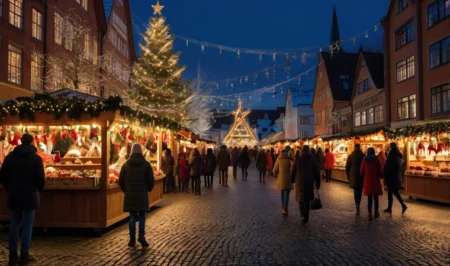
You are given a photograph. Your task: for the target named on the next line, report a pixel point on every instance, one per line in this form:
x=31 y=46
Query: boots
x=404 y=208
x=142 y=240
x=13 y=258
x=357 y=210
x=26 y=258
x=132 y=242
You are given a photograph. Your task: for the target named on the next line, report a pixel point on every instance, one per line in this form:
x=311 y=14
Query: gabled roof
x=335 y=36
x=101 y=20
x=375 y=65
x=299 y=99
x=108 y=4
x=341 y=70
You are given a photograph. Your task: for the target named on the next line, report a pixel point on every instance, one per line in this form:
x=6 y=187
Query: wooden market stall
x=426 y=148
x=82 y=160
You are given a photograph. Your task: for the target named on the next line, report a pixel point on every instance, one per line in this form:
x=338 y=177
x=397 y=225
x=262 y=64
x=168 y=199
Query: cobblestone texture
x=242 y=225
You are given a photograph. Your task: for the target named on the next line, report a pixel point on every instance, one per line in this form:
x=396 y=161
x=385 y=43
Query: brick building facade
x=51 y=45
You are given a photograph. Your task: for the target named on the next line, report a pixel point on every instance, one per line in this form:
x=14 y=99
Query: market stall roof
x=10 y=91
x=70 y=94
x=273 y=138
x=207 y=141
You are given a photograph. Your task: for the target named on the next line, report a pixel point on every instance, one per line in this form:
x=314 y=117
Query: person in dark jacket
x=306 y=175
x=393 y=177
x=244 y=162
x=320 y=158
x=356 y=180
x=168 y=163
x=136 y=180
x=261 y=165
x=210 y=167
x=22 y=175
x=223 y=162
x=235 y=161
x=195 y=166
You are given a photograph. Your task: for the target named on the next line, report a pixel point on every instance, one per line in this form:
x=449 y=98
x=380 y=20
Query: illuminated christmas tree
x=157 y=76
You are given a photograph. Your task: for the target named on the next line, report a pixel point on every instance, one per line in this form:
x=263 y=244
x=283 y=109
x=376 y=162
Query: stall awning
x=273 y=138
x=69 y=94
x=10 y=91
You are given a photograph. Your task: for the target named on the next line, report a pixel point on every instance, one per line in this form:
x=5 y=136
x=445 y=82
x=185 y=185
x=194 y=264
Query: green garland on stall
x=27 y=107
x=417 y=130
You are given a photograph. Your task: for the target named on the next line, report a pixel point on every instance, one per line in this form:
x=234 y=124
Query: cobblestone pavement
x=242 y=225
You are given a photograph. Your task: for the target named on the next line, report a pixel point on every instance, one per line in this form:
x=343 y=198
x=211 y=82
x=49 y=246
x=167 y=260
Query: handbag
x=316 y=203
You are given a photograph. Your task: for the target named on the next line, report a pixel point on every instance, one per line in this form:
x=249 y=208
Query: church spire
x=335 y=36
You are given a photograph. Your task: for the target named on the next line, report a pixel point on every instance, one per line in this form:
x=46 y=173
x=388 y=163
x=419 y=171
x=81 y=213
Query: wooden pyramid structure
x=240 y=133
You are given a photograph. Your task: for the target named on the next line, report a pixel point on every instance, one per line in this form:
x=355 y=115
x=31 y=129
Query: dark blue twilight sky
x=260 y=24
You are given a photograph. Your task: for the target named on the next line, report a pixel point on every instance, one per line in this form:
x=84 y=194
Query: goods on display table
x=427 y=173
x=82 y=162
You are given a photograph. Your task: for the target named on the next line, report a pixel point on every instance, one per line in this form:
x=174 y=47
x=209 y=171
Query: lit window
x=344 y=122
x=440 y=99
x=406 y=107
x=94 y=51
x=36 y=72
x=84 y=4
x=14 y=64
x=36 y=27
x=370 y=116
x=405 y=69
x=440 y=53
x=379 y=115
x=16 y=13
x=68 y=36
x=404 y=35
x=438 y=11
x=87 y=46
x=59 y=25
x=358 y=119
x=363 y=118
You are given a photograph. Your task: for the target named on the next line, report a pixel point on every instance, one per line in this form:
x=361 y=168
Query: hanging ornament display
x=260 y=59
x=232 y=85
x=217 y=86
x=187 y=43
x=274 y=72
x=246 y=79
x=354 y=40
x=203 y=48
x=240 y=81
x=287 y=66
x=274 y=57
x=267 y=73
x=238 y=53
x=366 y=34
x=220 y=51
x=281 y=91
x=303 y=58
x=375 y=28
x=299 y=80
x=294 y=56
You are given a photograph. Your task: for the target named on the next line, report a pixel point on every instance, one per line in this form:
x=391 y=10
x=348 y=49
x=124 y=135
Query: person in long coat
x=306 y=175
x=195 y=166
x=183 y=172
x=244 y=162
x=373 y=173
x=393 y=177
x=329 y=164
x=320 y=158
x=261 y=165
x=356 y=180
x=234 y=161
x=269 y=162
x=136 y=180
x=210 y=167
x=282 y=170
x=223 y=162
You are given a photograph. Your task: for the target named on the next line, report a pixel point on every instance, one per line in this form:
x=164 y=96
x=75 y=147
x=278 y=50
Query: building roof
x=107 y=5
x=299 y=99
x=375 y=65
x=335 y=36
x=341 y=71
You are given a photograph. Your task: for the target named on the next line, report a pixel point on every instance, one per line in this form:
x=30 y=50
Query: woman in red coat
x=329 y=164
x=372 y=171
x=183 y=172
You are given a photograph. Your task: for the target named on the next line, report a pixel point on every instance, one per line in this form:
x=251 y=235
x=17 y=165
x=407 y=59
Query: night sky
x=260 y=24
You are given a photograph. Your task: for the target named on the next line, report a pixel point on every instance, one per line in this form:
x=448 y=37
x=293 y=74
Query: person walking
x=320 y=158
x=393 y=177
x=261 y=165
x=244 y=162
x=282 y=171
x=382 y=158
x=329 y=164
x=235 y=161
x=269 y=162
x=168 y=163
x=223 y=161
x=210 y=167
x=136 y=180
x=356 y=180
x=195 y=166
x=22 y=176
x=183 y=172
x=372 y=171
x=306 y=176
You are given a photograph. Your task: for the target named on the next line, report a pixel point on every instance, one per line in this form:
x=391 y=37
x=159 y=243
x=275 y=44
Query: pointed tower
x=335 y=36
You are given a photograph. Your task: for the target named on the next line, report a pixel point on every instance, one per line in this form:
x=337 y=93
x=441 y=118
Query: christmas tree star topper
x=157 y=8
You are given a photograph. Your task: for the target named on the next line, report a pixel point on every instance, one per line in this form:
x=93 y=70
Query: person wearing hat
x=136 y=180
x=22 y=175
